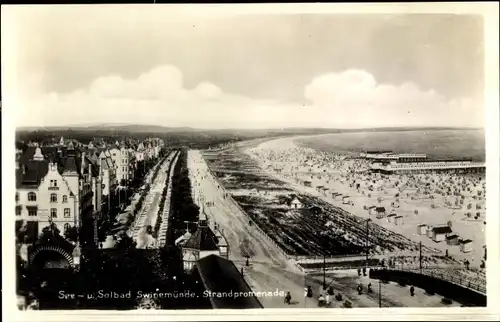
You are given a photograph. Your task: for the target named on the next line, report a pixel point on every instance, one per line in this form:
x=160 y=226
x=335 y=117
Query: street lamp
x=367 y=240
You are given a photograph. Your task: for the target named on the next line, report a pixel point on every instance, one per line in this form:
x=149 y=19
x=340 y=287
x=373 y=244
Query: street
x=149 y=212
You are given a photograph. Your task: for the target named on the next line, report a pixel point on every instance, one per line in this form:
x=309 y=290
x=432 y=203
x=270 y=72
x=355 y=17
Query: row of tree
x=161 y=206
x=182 y=207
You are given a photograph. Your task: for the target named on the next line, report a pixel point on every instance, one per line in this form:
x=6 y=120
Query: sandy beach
x=453 y=200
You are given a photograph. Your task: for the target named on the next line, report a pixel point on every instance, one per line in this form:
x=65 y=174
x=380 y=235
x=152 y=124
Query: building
x=452 y=240
x=108 y=173
x=391 y=217
x=466 y=246
x=346 y=200
x=447 y=166
x=372 y=210
x=45 y=196
x=59 y=186
x=202 y=243
x=421 y=229
x=398 y=220
x=380 y=212
x=121 y=158
x=220 y=276
x=307 y=183
x=439 y=233
x=295 y=203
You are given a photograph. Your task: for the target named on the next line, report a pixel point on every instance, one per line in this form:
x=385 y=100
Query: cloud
x=354 y=98
x=348 y=99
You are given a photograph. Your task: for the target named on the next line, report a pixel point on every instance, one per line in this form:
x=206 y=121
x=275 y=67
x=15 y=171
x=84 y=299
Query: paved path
x=269 y=270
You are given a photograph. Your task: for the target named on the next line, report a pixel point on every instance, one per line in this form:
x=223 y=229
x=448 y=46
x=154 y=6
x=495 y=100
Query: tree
x=125 y=242
x=71 y=234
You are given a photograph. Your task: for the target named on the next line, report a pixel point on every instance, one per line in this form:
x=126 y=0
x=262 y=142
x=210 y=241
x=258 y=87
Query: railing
x=455 y=277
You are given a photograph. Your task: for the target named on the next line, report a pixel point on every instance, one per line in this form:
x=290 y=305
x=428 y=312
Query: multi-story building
x=121 y=158
x=44 y=196
x=57 y=186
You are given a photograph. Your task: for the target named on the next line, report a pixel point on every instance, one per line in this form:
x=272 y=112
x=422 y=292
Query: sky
x=75 y=65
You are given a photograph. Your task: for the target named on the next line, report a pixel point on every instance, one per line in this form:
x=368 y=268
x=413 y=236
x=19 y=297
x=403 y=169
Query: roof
x=203 y=239
x=466 y=241
x=452 y=236
x=380 y=209
x=442 y=230
x=372 y=207
x=34 y=171
x=220 y=276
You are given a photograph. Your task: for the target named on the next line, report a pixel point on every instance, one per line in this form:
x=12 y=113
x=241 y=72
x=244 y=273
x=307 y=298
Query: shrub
x=338 y=297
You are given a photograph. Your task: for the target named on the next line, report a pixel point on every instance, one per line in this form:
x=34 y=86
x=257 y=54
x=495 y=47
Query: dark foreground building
x=224 y=286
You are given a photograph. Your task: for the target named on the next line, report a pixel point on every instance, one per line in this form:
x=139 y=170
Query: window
x=17 y=196
x=65 y=199
x=19 y=209
x=53 y=212
x=66 y=227
x=32 y=211
x=31 y=196
x=67 y=212
x=53 y=183
x=53 y=197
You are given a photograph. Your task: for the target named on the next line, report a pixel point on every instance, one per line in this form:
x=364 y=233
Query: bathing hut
x=429 y=231
x=307 y=183
x=398 y=220
x=319 y=188
x=338 y=196
x=421 y=229
x=372 y=210
x=439 y=233
x=380 y=212
x=452 y=240
x=346 y=200
x=295 y=203
x=466 y=246
x=391 y=218
x=325 y=190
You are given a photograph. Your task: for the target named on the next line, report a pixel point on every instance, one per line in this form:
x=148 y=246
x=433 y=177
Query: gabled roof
x=380 y=209
x=203 y=239
x=220 y=276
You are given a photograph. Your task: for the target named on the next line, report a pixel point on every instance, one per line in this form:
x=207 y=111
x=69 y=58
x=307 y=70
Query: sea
x=437 y=144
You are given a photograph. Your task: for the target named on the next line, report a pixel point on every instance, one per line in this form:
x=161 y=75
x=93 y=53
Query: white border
x=491 y=26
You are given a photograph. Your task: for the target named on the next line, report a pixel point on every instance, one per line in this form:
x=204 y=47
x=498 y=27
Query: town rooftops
x=442 y=230
x=221 y=277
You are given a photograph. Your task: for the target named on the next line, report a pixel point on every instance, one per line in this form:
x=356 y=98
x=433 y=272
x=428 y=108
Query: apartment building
x=56 y=185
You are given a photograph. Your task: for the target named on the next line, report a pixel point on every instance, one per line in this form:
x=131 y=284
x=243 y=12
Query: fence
x=456 y=277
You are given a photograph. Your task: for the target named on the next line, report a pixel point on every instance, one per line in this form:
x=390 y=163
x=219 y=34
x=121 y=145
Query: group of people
x=325 y=294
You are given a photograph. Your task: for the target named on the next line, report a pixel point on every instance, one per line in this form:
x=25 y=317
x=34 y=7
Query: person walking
x=288 y=298
x=412 y=291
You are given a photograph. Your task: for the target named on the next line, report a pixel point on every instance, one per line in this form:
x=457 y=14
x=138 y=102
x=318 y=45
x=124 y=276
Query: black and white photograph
x=175 y=158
